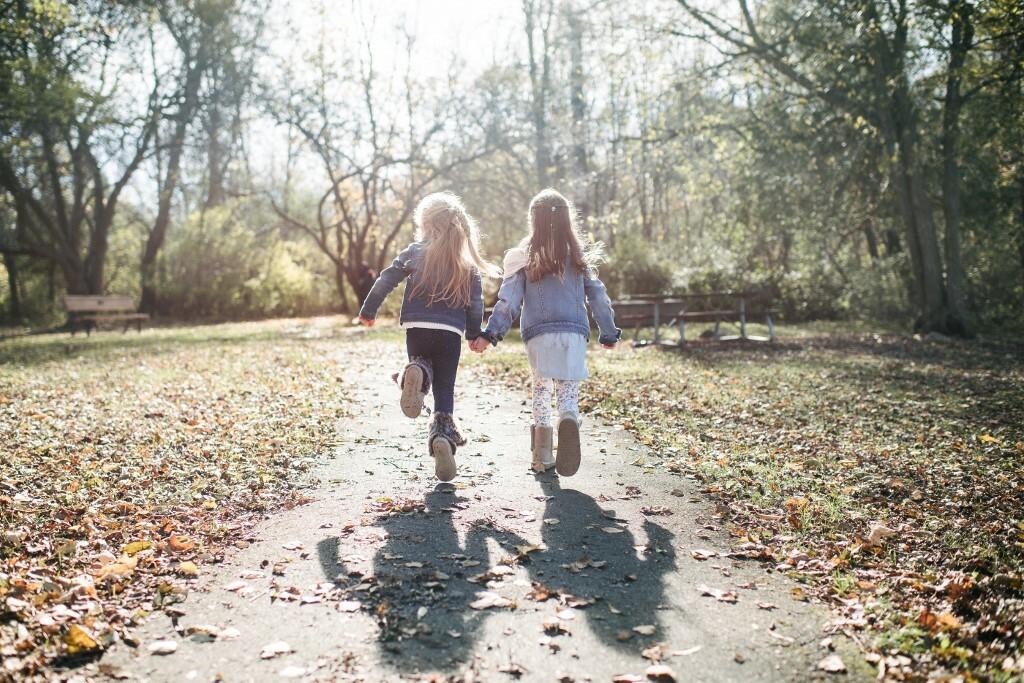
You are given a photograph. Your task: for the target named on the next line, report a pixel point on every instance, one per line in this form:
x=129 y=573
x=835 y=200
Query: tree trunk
x=539 y=82
x=11 y=264
x=961 y=38
x=869 y=236
x=157 y=235
x=578 y=105
x=340 y=277
x=96 y=260
x=215 y=193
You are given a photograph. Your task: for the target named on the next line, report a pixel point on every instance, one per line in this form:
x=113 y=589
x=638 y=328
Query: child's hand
x=366 y=321
x=479 y=345
x=609 y=346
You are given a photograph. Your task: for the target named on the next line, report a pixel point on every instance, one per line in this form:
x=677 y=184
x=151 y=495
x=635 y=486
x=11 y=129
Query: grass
x=127 y=457
x=817 y=440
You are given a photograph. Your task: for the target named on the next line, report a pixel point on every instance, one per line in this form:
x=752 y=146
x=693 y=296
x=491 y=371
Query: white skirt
x=558 y=355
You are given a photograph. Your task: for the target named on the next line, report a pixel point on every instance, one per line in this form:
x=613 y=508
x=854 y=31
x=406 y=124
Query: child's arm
x=601 y=308
x=475 y=309
x=510 y=300
x=386 y=282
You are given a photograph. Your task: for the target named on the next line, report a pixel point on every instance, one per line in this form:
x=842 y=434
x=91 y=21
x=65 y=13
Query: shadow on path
x=629 y=577
x=418 y=590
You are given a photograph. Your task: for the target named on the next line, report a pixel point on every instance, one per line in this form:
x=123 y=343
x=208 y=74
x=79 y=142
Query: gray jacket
x=417 y=309
x=553 y=304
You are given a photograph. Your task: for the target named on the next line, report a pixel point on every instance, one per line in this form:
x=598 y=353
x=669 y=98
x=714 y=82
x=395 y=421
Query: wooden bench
x=87 y=311
x=653 y=310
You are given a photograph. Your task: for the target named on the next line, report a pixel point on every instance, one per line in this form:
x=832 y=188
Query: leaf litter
x=155 y=455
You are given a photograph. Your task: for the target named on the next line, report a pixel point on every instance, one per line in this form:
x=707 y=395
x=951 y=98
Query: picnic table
x=653 y=310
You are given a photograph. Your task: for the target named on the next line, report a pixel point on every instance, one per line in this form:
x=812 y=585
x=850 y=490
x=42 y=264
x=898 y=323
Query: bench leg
x=718 y=334
x=682 y=332
x=743 y=319
x=771 y=328
x=138 y=326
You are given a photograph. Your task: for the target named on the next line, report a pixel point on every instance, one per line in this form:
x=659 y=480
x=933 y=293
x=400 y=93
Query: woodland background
x=220 y=159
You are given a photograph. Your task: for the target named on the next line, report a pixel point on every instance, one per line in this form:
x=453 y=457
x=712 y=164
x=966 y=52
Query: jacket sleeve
x=510 y=301
x=601 y=308
x=388 y=279
x=475 y=309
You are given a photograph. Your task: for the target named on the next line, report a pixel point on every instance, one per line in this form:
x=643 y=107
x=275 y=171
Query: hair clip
x=553 y=208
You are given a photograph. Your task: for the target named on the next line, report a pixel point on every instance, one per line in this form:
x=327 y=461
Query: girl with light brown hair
x=443 y=301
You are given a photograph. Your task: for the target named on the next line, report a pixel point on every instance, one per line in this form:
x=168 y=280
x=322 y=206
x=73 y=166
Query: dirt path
x=386 y=575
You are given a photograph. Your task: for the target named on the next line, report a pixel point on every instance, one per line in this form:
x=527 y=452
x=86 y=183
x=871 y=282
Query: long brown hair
x=554 y=240
x=453 y=251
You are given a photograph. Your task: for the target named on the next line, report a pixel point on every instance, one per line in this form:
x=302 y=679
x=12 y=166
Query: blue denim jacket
x=417 y=309
x=553 y=304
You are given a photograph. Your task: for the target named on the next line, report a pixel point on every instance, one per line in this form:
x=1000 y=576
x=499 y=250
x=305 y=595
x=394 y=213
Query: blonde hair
x=453 y=251
x=554 y=238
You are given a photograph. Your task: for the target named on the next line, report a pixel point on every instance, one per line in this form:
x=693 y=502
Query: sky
x=478 y=31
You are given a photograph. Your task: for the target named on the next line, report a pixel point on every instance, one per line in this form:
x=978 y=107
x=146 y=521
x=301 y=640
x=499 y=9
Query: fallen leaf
x=278 y=647
x=180 y=544
x=486 y=600
x=833 y=664
x=655 y=653
x=235 y=586
x=718 y=594
x=122 y=567
x=611 y=530
x=137 y=547
x=645 y=629
x=660 y=672
x=80 y=640
x=701 y=554
x=878 y=533
x=163 y=647
x=554 y=627
x=188 y=569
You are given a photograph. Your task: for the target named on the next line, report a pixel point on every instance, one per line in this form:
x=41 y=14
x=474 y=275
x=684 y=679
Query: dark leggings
x=442 y=348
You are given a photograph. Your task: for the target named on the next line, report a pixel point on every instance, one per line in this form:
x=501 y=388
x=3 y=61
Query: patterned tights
x=567 y=393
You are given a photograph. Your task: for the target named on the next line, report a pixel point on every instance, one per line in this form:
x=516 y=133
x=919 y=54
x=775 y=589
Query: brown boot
x=415 y=383
x=540 y=445
x=442 y=445
x=567 y=462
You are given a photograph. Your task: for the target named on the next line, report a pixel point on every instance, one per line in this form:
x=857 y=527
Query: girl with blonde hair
x=443 y=301
x=552 y=279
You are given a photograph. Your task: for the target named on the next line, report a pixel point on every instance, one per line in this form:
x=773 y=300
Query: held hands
x=479 y=344
x=366 y=321
x=609 y=346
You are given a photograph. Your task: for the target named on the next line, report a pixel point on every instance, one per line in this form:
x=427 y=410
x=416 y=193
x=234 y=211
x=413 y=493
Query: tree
x=860 y=52
x=206 y=36
x=67 y=150
x=379 y=154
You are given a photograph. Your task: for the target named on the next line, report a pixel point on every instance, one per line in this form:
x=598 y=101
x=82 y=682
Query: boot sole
x=444 y=459
x=412 y=394
x=567 y=459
